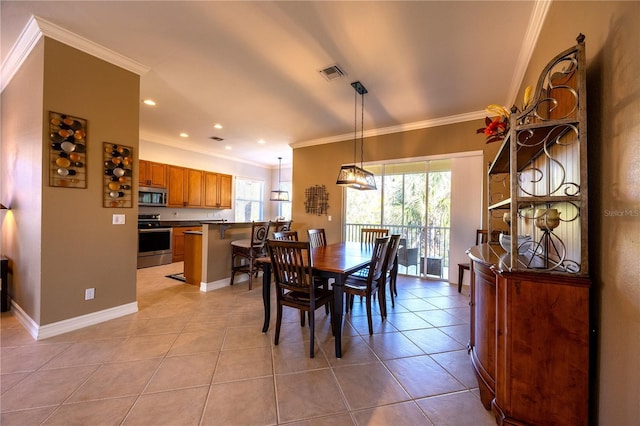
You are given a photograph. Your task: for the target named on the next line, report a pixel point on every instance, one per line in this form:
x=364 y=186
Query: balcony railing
x=425 y=250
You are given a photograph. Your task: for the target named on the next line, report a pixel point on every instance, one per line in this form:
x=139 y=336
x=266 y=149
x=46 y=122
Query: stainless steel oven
x=154 y=241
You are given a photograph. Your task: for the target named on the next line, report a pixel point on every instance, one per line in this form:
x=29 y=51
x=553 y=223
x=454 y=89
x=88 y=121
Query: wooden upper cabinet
x=217 y=190
x=152 y=174
x=185 y=187
x=193 y=186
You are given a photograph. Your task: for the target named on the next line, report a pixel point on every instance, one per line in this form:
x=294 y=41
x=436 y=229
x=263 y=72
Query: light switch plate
x=118 y=219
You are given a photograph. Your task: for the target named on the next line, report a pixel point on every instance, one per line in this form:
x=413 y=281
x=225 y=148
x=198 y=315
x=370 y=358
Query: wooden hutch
x=530 y=294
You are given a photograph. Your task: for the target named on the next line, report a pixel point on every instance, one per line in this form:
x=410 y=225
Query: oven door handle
x=144 y=231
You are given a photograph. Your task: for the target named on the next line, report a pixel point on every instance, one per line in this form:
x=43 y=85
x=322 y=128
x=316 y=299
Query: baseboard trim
x=71 y=324
x=215 y=285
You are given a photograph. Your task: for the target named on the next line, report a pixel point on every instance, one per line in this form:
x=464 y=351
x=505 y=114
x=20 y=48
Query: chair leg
x=369 y=320
x=278 y=324
x=250 y=272
x=302 y=318
x=312 y=325
x=460 y=277
x=382 y=301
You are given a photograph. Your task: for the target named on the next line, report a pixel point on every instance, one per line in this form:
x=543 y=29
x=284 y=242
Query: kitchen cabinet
x=217 y=190
x=185 y=187
x=179 y=243
x=530 y=296
x=152 y=174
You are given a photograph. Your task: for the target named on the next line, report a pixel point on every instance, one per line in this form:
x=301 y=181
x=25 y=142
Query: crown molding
x=37 y=27
x=417 y=125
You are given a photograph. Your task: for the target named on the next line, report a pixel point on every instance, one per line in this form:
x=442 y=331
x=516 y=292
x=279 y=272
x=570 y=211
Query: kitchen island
x=216 y=252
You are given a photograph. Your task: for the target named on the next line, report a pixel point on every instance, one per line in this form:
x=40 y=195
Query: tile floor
x=192 y=358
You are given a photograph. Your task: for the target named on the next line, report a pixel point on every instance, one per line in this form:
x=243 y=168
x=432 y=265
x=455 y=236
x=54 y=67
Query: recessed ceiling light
x=184 y=135
x=218 y=126
x=261 y=142
x=149 y=102
x=228 y=148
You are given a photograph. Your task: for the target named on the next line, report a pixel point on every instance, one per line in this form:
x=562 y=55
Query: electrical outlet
x=118 y=219
x=89 y=293
x=329 y=218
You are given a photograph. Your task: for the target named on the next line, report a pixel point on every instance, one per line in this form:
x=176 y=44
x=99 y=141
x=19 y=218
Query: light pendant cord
x=355 y=126
x=362 y=132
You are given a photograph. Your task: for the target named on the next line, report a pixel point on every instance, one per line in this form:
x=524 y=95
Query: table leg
x=338 y=299
x=266 y=295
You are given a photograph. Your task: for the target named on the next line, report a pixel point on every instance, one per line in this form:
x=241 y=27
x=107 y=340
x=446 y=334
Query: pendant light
x=351 y=175
x=279 y=194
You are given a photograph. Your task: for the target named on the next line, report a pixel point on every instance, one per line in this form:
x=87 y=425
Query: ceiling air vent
x=332 y=72
x=216 y=138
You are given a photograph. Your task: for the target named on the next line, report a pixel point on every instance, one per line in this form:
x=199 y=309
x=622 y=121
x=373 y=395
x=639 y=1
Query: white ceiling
x=253 y=66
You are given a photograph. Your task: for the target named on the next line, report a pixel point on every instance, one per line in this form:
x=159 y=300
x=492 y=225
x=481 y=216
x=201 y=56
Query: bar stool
x=249 y=250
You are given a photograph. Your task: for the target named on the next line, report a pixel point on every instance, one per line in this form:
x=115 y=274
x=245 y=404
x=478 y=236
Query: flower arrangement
x=496 y=129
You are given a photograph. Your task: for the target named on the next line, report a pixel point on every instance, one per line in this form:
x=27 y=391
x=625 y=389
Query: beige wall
x=612 y=47
x=319 y=165
x=21 y=164
x=63 y=240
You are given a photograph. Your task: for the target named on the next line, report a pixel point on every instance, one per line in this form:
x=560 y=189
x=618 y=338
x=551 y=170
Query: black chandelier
x=351 y=175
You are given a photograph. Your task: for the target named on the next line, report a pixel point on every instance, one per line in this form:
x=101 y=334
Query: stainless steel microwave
x=155 y=197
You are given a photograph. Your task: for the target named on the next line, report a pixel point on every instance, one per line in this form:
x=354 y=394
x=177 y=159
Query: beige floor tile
x=361 y=324
x=198 y=341
x=416 y=305
x=439 y=318
x=29 y=358
x=421 y=376
x=172 y=408
x=247 y=402
x=392 y=345
x=458 y=332
x=7 y=381
x=26 y=417
x=402 y=414
x=308 y=394
x=456 y=409
x=106 y=412
x=142 y=347
x=406 y=321
x=354 y=351
x=86 y=353
x=117 y=379
x=243 y=364
x=344 y=419
x=294 y=357
x=47 y=387
x=183 y=371
x=245 y=337
x=432 y=340
x=458 y=364
x=15 y=336
x=368 y=385
x=444 y=302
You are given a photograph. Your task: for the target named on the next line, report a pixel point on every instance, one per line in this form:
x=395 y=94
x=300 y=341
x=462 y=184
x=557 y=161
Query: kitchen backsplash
x=167 y=213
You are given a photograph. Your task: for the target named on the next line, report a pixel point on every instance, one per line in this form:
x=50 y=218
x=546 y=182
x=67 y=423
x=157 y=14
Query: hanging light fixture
x=279 y=194
x=351 y=175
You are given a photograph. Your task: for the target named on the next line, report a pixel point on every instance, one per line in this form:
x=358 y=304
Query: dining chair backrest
x=286 y=235
x=392 y=250
x=369 y=235
x=281 y=226
x=377 y=259
x=317 y=237
x=291 y=263
x=259 y=233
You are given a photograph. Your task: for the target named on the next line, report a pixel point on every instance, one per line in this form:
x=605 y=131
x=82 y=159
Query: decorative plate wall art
x=67 y=151
x=118 y=171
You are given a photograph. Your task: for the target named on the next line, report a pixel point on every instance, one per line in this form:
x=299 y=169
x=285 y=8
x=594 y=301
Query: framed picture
x=118 y=171
x=67 y=151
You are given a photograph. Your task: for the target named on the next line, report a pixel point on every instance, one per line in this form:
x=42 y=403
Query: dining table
x=337 y=261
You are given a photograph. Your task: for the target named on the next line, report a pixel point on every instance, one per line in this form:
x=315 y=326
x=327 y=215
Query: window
x=249 y=199
x=284 y=207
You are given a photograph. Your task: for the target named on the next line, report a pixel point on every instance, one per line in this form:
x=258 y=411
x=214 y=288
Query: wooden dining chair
x=286 y=235
x=245 y=252
x=317 y=237
x=355 y=286
x=390 y=272
x=481 y=238
x=294 y=282
x=369 y=235
x=281 y=226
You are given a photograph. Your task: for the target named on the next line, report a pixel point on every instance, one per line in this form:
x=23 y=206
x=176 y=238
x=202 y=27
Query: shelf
x=530 y=148
x=504 y=204
x=547 y=200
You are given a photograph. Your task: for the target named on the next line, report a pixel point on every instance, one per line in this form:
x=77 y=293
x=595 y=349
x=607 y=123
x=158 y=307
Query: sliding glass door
x=413 y=200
